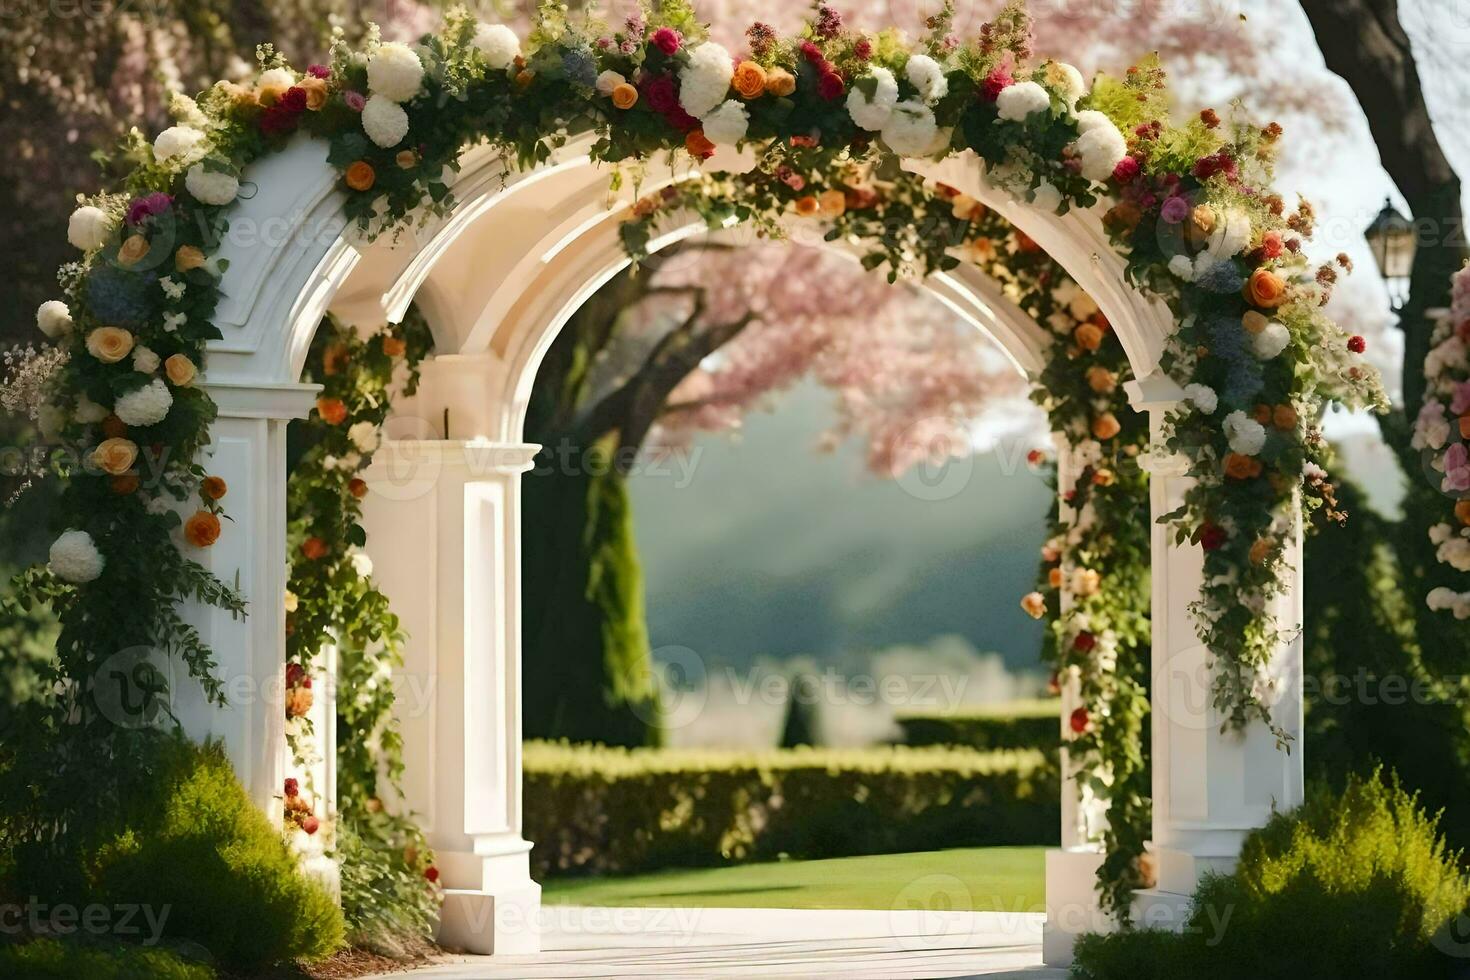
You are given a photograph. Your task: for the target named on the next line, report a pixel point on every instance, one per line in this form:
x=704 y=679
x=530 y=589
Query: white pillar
x=443 y=530
x=248 y=449
x=1210 y=787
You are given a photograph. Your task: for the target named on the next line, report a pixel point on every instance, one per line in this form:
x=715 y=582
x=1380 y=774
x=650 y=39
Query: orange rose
x=1034 y=603
x=314 y=548
x=298 y=701
x=213 y=488
x=125 y=484
x=1089 y=336
x=1101 y=380
x=188 y=257
x=201 y=530
x=1124 y=216
x=1201 y=223
x=1054 y=578
x=624 y=95
x=357 y=487
x=831 y=203
x=132 y=250
x=361 y=176
x=394 y=346
x=115 y=456
x=406 y=159
x=1025 y=243
x=316 y=92
x=1239 y=467
x=1261 y=550
x=699 y=145
x=1262 y=413
x=1462 y=511
x=524 y=78
x=749 y=80
x=780 y=82
x=1254 y=321
x=1284 y=417
x=109 y=344
x=332 y=410
x=1266 y=289
x=806 y=206
x=333 y=358
x=1103 y=478
x=180 y=370
x=1105 y=426
x=1465 y=426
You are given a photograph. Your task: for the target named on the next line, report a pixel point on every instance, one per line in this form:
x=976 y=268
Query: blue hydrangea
x=1221 y=277
x=580 y=66
x=1230 y=343
x=118 y=297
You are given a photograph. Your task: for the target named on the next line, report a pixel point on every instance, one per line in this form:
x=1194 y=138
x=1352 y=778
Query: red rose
x=1078 y=721
x=1272 y=245
x=294 y=674
x=667 y=40
x=314 y=548
x=310 y=824
x=1084 y=642
x=659 y=93
x=1035 y=457
x=831 y=86
x=996 y=82
x=281 y=117
x=357 y=487
x=293 y=788
x=1215 y=163
x=1126 y=170
x=812 y=53
x=1357 y=344
x=431 y=873
x=1212 y=536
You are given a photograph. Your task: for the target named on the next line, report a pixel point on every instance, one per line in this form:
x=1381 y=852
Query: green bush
x=593 y=809
x=188 y=843
x=1020 y=725
x=48 y=959
x=1357 y=885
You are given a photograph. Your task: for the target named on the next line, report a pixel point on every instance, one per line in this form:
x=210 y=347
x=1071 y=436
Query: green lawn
x=1004 y=879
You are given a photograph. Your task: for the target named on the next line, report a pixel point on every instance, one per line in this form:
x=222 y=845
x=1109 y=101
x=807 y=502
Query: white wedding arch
x=496 y=279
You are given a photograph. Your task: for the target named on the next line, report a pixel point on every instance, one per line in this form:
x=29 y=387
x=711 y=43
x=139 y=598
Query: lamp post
x=1391 y=238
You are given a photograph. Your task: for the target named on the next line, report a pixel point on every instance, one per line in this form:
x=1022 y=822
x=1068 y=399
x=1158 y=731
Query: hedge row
x=1021 y=725
x=599 y=810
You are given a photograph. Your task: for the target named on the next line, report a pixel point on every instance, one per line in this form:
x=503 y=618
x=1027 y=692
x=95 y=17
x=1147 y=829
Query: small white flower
x=395 y=72
x=498 y=44
x=384 y=121
x=1231 y=235
x=350 y=462
x=144 y=360
x=89 y=228
x=1442 y=599
x=705 y=80
x=1046 y=196
x=179 y=145
x=364 y=435
x=873 y=114
x=75 y=558
x=1203 y=396
x=1270 y=341
x=292 y=603
x=53 y=318
x=211 y=187
x=608 y=81
x=1313 y=472
x=1183 y=267
x=1020 y=100
x=1246 y=435
x=88 y=411
x=727 y=125
x=145 y=406
x=911 y=129
x=361 y=564
x=276 y=78
x=173 y=321
x=171 y=289
x=927 y=75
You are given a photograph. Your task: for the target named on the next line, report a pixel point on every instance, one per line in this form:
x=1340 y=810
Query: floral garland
x=332 y=600
x=1191 y=212
x=1442 y=432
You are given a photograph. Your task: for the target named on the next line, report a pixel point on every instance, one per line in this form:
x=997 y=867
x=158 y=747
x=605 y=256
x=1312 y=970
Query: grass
x=981 y=879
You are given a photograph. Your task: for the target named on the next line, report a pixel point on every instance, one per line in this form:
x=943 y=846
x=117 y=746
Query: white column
x=1210 y=787
x=248 y=449
x=443 y=530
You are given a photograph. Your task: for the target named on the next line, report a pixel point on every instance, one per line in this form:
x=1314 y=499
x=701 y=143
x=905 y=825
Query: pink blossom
x=1456 y=468
x=353 y=100
x=995 y=83
x=1460 y=402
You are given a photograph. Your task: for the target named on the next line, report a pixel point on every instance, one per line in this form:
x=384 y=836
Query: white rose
x=89 y=228
x=1270 y=341
x=705 y=80
x=872 y=113
x=498 y=44
x=144 y=360
x=927 y=75
x=726 y=126
x=54 y=319
x=384 y=121
x=1203 y=397
x=1020 y=100
x=145 y=406
x=361 y=564
x=911 y=130
x=88 y=411
x=1230 y=236
x=1246 y=435
x=1046 y=196
x=608 y=81
x=395 y=72
x=75 y=558
x=364 y=436
x=179 y=145
x=211 y=186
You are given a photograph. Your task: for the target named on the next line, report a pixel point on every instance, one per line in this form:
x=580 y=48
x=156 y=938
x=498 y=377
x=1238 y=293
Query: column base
x=501 y=922
x=1071 y=903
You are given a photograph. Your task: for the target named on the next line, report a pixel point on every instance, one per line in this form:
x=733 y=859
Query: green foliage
x=596 y=810
x=1021 y=725
x=50 y=959
x=1364 y=874
x=388 y=905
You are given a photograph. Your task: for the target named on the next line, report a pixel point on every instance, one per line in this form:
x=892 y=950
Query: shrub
x=45 y=959
x=1365 y=876
x=600 y=810
x=1021 y=725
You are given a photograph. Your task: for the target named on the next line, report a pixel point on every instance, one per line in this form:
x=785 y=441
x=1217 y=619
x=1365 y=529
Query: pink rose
x=667 y=40
x=1457 y=468
x=1460 y=404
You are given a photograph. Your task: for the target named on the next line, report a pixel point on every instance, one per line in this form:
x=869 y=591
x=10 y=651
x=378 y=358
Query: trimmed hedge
x=1019 y=725
x=598 y=810
x=49 y=959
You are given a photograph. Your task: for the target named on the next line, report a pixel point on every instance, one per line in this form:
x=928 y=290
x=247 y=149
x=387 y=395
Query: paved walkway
x=585 y=943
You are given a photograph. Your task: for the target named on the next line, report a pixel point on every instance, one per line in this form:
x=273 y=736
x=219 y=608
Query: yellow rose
x=1105 y=426
x=188 y=257
x=780 y=82
x=749 y=80
x=115 y=456
x=316 y=92
x=180 y=370
x=831 y=203
x=1089 y=336
x=624 y=96
x=1034 y=603
x=1101 y=380
x=132 y=250
x=109 y=344
x=1254 y=321
x=806 y=206
x=406 y=159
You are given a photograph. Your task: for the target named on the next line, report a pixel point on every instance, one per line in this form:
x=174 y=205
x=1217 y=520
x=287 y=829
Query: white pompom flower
x=911 y=129
x=1203 y=397
x=276 y=78
x=1183 y=267
x=1246 y=435
x=89 y=228
x=1017 y=102
x=498 y=44
x=395 y=72
x=361 y=564
x=211 y=187
x=1101 y=148
x=927 y=75
x=363 y=435
x=1270 y=341
x=727 y=125
x=1067 y=80
x=88 y=411
x=179 y=145
x=53 y=318
x=144 y=406
x=705 y=80
x=872 y=112
x=384 y=121
x=145 y=361
x=75 y=558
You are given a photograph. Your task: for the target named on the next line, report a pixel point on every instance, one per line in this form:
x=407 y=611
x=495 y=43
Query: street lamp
x=1392 y=241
